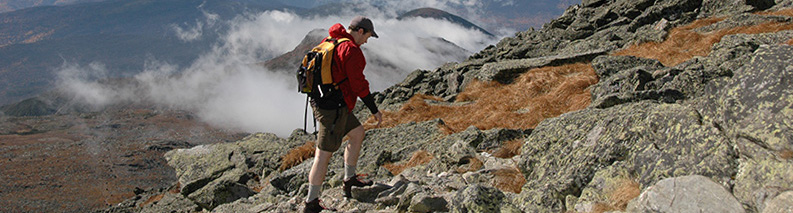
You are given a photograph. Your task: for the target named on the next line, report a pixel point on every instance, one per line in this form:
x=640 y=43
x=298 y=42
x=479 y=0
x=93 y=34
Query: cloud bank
x=226 y=88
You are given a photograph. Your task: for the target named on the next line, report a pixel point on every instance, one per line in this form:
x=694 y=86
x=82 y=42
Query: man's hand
x=379 y=117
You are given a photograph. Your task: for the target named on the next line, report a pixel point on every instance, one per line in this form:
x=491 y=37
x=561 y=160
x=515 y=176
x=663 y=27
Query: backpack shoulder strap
x=336 y=43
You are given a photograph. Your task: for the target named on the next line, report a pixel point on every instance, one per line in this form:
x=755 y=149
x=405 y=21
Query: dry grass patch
x=508 y=149
x=680 y=45
x=152 y=199
x=534 y=96
x=623 y=192
x=297 y=155
x=785 y=154
x=627 y=189
x=683 y=43
x=509 y=180
x=419 y=157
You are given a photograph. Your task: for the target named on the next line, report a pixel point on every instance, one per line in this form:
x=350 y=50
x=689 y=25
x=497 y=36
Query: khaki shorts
x=330 y=135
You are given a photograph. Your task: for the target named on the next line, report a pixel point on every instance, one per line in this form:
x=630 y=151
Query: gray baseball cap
x=364 y=23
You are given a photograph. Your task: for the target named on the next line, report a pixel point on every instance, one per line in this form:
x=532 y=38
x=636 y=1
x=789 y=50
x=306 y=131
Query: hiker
x=348 y=65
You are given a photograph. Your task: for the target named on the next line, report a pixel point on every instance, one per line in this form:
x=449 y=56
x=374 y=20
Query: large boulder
x=655 y=141
x=200 y=165
x=290 y=180
x=781 y=203
x=390 y=145
x=755 y=110
x=686 y=194
x=212 y=175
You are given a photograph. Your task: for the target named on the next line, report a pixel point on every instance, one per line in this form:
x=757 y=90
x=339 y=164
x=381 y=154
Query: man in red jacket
x=336 y=119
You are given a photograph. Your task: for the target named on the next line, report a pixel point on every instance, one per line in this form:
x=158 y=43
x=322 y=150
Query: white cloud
x=226 y=88
x=195 y=32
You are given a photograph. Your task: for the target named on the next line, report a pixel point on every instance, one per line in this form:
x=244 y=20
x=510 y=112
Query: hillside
x=617 y=105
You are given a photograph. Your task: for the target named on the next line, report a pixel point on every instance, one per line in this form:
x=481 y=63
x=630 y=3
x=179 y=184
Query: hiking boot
x=354 y=181
x=314 y=207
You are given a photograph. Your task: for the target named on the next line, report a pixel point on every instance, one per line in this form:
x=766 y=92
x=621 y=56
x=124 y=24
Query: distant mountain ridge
x=440 y=14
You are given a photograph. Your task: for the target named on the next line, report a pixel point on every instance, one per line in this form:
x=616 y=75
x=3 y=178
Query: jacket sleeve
x=354 y=63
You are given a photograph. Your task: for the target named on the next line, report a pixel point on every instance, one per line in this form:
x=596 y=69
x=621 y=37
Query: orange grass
x=176 y=189
x=618 y=197
x=152 y=199
x=297 y=155
x=534 y=96
x=683 y=44
x=786 y=154
x=627 y=189
x=419 y=157
x=509 y=180
x=680 y=45
x=508 y=149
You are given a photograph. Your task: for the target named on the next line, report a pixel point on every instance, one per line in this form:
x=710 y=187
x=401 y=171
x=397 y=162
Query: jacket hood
x=338 y=31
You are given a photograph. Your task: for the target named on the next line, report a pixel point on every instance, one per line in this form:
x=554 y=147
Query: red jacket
x=349 y=63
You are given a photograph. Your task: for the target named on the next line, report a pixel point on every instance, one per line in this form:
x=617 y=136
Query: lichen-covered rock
x=781 y=203
x=717 y=8
x=727 y=56
x=454 y=148
x=505 y=71
x=200 y=165
x=625 y=81
x=756 y=107
x=427 y=203
x=399 y=143
x=601 y=187
x=290 y=180
x=608 y=65
x=224 y=190
x=477 y=198
x=686 y=194
x=211 y=175
x=171 y=202
x=782 y=4
x=675 y=11
x=655 y=141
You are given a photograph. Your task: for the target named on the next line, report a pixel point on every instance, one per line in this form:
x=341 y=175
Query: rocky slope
x=709 y=134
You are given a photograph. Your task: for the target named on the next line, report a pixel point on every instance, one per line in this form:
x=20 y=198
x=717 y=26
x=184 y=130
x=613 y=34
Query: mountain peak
x=428 y=12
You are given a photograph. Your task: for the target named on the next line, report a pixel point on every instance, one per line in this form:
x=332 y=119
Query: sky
x=226 y=88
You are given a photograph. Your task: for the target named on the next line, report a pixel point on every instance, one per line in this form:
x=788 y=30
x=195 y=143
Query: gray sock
x=349 y=171
x=313 y=192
